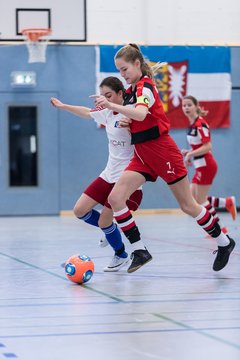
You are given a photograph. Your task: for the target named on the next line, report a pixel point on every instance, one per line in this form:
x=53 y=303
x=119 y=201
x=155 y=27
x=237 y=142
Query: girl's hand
x=101 y=101
x=184 y=152
x=124 y=123
x=188 y=159
x=57 y=103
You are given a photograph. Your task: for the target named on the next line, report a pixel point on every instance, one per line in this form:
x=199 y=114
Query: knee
x=114 y=199
x=79 y=211
x=185 y=209
x=188 y=208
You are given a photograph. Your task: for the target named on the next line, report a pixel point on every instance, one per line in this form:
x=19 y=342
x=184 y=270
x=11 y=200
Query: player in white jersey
x=120 y=154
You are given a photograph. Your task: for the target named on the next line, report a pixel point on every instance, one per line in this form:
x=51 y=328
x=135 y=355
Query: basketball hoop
x=36 y=41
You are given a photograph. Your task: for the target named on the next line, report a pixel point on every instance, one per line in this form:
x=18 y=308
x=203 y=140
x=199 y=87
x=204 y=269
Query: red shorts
x=159 y=157
x=205 y=175
x=100 y=189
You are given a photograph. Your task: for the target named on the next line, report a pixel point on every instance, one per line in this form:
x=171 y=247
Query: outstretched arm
x=81 y=111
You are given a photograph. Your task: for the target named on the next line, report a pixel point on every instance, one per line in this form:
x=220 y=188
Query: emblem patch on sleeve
x=143 y=99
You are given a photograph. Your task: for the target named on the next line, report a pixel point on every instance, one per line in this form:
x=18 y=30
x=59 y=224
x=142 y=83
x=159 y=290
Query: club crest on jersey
x=116 y=124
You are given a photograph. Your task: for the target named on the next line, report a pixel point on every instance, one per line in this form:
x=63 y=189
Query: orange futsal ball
x=79 y=268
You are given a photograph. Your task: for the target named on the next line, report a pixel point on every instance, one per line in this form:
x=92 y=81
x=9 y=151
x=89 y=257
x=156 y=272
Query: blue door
x=29 y=156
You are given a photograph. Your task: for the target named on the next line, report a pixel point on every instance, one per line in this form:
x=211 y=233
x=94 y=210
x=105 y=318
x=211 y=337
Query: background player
x=200 y=155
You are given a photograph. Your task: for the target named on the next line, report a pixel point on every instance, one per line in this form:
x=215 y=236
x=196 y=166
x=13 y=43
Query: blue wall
x=70 y=73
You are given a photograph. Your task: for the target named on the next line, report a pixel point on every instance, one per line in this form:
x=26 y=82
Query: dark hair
x=131 y=53
x=200 y=110
x=113 y=83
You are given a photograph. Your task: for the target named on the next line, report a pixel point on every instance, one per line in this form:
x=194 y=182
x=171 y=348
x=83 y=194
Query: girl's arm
x=81 y=111
x=202 y=150
x=135 y=113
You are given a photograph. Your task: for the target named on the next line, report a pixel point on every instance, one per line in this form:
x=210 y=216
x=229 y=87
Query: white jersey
x=119 y=144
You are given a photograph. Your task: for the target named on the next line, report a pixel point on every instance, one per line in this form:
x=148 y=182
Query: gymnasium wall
x=160 y=22
x=152 y=22
x=70 y=73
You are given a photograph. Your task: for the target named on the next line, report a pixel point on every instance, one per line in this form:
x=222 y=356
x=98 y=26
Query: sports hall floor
x=174 y=308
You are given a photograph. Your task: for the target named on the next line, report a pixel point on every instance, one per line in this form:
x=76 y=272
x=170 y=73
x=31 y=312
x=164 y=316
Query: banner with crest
x=200 y=71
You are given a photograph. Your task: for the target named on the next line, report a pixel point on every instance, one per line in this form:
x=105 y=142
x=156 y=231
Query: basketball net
x=36 y=41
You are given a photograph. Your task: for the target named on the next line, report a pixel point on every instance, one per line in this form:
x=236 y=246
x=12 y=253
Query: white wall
x=164 y=22
x=153 y=22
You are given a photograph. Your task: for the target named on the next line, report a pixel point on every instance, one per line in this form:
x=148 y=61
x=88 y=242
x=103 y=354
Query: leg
x=129 y=182
x=200 y=193
x=182 y=193
x=83 y=205
x=114 y=238
x=201 y=183
x=229 y=203
x=112 y=232
x=96 y=193
x=106 y=217
x=84 y=210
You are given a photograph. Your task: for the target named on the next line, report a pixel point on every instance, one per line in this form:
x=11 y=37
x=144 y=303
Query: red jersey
x=199 y=134
x=156 y=122
x=156 y=154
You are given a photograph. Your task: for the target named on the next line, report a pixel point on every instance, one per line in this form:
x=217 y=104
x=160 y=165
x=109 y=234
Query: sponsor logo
x=117 y=143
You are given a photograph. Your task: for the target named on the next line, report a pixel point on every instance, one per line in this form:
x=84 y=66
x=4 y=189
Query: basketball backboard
x=67 y=19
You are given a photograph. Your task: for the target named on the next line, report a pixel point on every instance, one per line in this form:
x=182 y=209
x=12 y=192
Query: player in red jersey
x=156 y=154
x=200 y=155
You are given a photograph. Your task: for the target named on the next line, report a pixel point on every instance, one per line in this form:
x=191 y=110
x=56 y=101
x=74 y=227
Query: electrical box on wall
x=23 y=79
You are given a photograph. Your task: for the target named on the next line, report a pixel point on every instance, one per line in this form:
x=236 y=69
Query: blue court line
x=82 y=316
x=142 y=322
x=201 y=331
x=187 y=277
x=114 y=303
x=123 y=295
x=120 y=314
x=81 y=324
x=184 y=328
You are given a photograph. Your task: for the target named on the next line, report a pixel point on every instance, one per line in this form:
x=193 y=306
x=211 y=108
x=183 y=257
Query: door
x=29 y=156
